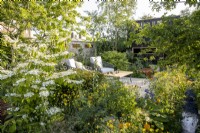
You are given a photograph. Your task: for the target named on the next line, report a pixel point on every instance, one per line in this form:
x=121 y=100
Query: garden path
x=142 y=84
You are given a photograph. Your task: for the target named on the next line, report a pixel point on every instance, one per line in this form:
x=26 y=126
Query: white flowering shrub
x=31 y=84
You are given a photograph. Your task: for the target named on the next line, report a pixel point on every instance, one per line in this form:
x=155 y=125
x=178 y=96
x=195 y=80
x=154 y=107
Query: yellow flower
x=143 y=130
x=65 y=101
x=158 y=100
x=151 y=130
x=147 y=126
x=128 y=124
x=121 y=125
x=110 y=125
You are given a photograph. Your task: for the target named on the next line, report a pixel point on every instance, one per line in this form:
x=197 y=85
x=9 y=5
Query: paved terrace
x=142 y=83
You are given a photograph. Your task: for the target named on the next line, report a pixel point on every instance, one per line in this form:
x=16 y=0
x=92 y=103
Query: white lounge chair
x=72 y=64
x=100 y=65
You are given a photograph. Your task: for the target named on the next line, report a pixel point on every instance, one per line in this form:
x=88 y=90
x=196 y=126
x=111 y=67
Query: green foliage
x=50 y=21
x=106 y=107
x=171 y=4
x=196 y=85
x=29 y=86
x=118 y=59
x=5 y=53
x=28 y=89
x=103 y=45
x=112 y=24
x=166 y=99
x=136 y=67
x=176 y=38
x=66 y=93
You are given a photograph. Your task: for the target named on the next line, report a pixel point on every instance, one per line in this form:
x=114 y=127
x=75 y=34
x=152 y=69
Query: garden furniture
x=72 y=64
x=119 y=74
x=102 y=66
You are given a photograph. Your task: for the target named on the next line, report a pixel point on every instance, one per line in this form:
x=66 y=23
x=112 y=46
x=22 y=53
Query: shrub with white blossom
x=29 y=86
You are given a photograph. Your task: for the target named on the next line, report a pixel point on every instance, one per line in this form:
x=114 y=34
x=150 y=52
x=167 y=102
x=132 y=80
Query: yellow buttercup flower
x=158 y=100
x=121 y=125
x=147 y=126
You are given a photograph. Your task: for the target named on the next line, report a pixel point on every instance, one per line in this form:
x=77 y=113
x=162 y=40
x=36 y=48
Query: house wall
x=80 y=47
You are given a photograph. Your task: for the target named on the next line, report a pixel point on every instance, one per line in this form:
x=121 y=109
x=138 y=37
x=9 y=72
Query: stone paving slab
x=142 y=84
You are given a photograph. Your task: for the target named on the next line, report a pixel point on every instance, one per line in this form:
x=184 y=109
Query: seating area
x=104 y=67
x=72 y=64
x=96 y=64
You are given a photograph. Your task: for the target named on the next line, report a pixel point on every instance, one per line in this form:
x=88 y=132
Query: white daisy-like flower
x=75 y=81
x=6 y=71
x=16 y=109
x=20 y=65
x=6 y=74
x=50 y=82
x=44 y=93
x=64 y=53
x=33 y=72
x=29 y=94
x=37 y=107
x=36 y=61
x=9 y=109
x=43 y=88
x=37 y=81
x=20 y=45
x=56 y=55
x=46 y=103
x=42 y=45
x=3 y=76
x=23 y=71
x=53 y=110
x=49 y=64
x=42 y=123
x=20 y=80
x=61 y=74
x=24 y=116
x=34 y=86
x=12 y=94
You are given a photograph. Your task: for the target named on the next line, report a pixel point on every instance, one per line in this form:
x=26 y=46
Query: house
x=79 y=45
x=136 y=49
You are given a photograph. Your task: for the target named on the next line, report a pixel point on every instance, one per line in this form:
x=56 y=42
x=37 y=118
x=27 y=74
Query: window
x=76 y=46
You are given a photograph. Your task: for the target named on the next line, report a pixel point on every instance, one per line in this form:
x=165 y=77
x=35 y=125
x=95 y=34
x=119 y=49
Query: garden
x=39 y=94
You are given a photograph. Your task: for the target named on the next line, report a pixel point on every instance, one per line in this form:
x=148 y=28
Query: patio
x=142 y=84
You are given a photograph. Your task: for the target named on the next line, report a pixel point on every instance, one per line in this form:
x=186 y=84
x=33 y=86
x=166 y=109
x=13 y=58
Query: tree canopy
x=176 y=38
x=171 y=4
x=112 y=22
x=49 y=21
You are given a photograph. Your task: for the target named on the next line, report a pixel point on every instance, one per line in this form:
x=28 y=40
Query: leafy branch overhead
x=171 y=4
x=176 y=38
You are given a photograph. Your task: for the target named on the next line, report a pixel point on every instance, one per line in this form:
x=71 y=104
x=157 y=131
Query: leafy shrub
x=66 y=93
x=196 y=84
x=29 y=87
x=100 y=105
x=118 y=59
x=5 y=53
x=136 y=67
x=165 y=100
